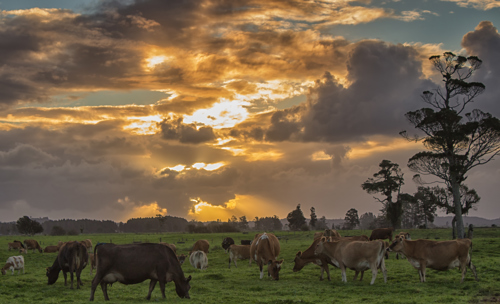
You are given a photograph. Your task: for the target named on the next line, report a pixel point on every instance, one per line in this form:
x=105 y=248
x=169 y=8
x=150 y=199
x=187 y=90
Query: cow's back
x=265 y=244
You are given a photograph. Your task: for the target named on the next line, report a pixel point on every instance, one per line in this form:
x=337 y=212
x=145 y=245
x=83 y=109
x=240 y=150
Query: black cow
x=135 y=263
x=226 y=242
x=246 y=242
x=72 y=257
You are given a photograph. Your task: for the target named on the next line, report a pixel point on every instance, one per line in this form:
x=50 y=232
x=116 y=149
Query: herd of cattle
x=135 y=263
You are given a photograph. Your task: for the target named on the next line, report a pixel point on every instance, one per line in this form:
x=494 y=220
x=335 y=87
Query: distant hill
x=445 y=221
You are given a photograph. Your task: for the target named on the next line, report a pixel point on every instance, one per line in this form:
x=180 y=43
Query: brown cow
x=51 y=249
x=406 y=236
x=135 y=263
x=308 y=256
x=32 y=244
x=355 y=255
x=241 y=252
x=265 y=248
x=202 y=245
x=72 y=257
x=87 y=243
x=438 y=255
x=181 y=258
x=382 y=234
x=17 y=245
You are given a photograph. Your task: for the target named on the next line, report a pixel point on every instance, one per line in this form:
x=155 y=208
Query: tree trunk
x=455 y=186
x=454 y=228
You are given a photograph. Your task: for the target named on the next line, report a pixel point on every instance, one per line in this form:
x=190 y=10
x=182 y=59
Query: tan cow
x=32 y=244
x=172 y=246
x=308 y=256
x=14 y=263
x=198 y=259
x=92 y=260
x=17 y=245
x=51 y=249
x=265 y=249
x=381 y=234
x=438 y=255
x=406 y=236
x=239 y=252
x=202 y=245
x=355 y=255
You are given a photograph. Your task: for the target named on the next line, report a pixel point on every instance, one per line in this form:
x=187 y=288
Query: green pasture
x=219 y=284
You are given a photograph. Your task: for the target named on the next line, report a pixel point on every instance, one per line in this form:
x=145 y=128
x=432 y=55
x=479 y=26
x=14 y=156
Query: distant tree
x=296 y=219
x=268 y=223
x=456 y=141
x=351 y=219
x=321 y=224
x=57 y=231
x=367 y=221
x=387 y=181
x=243 y=224
x=314 y=218
x=25 y=225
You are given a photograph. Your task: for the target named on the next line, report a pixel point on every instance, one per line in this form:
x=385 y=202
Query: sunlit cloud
x=144 y=125
x=224 y=114
x=320 y=155
x=379 y=145
x=141 y=210
x=477 y=4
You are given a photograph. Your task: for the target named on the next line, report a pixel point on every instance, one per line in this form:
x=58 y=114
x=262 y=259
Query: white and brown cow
x=198 y=259
x=438 y=255
x=239 y=252
x=355 y=255
x=14 y=263
x=265 y=249
x=32 y=245
x=17 y=245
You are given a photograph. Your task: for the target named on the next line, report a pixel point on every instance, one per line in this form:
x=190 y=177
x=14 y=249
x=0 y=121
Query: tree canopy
x=296 y=219
x=25 y=225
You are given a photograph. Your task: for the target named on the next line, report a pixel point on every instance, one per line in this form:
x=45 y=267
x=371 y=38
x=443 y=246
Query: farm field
x=219 y=284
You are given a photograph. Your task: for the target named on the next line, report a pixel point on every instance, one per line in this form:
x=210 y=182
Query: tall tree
x=419 y=209
x=296 y=219
x=367 y=220
x=387 y=182
x=351 y=219
x=25 y=225
x=456 y=141
x=314 y=218
x=444 y=200
x=243 y=224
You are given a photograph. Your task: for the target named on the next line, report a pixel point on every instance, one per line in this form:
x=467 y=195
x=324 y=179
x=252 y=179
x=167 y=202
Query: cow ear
x=299 y=254
x=281 y=262
x=323 y=239
x=188 y=279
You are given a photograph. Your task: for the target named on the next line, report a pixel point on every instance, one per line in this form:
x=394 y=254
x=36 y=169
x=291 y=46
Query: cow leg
x=104 y=287
x=473 y=269
x=342 y=269
x=152 y=285
x=384 y=270
x=78 y=279
x=65 y=278
x=235 y=263
x=261 y=269
x=71 y=276
x=229 y=262
x=374 y=269
x=162 y=286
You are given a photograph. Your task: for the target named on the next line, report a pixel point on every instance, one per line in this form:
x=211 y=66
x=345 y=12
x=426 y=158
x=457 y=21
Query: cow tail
x=381 y=253
x=95 y=247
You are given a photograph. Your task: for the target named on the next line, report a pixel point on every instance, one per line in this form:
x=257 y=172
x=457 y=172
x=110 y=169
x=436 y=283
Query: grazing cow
x=246 y=242
x=17 y=245
x=51 y=249
x=328 y=233
x=382 y=234
x=198 y=259
x=438 y=255
x=241 y=252
x=226 y=242
x=88 y=244
x=135 y=263
x=202 y=245
x=265 y=249
x=32 y=244
x=308 y=256
x=172 y=246
x=181 y=258
x=72 y=257
x=14 y=263
x=355 y=255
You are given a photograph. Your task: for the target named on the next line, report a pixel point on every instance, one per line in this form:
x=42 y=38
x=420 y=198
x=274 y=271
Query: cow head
x=320 y=246
x=227 y=242
x=397 y=244
x=22 y=250
x=181 y=258
x=52 y=274
x=182 y=287
x=273 y=268
x=298 y=263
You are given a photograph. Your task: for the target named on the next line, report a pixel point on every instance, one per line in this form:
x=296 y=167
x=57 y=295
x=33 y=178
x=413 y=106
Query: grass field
x=219 y=284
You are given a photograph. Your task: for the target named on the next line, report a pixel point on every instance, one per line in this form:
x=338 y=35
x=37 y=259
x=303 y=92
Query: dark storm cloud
x=385 y=84
x=186 y=133
x=484 y=42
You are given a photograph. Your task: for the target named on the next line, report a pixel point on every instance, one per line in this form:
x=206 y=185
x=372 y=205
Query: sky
x=205 y=109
